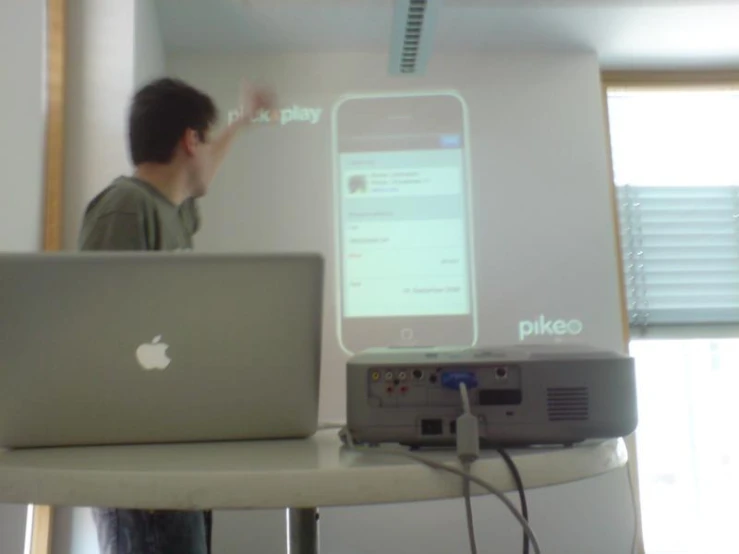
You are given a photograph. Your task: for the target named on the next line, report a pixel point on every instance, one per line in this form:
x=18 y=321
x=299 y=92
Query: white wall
x=149 y=60
x=21 y=124
x=21 y=155
x=113 y=47
x=74 y=532
x=12 y=528
x=100 y=81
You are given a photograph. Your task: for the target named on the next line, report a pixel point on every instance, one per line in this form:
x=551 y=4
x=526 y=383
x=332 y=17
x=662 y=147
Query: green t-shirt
x=131 y=214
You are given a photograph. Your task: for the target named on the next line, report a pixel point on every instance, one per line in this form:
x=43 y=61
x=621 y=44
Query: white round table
x=300 y=475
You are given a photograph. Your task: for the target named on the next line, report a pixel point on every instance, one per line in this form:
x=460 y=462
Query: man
x=176 y=158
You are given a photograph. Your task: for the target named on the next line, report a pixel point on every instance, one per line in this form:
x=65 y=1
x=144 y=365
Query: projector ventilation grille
x=568 y=404
x=412 y=35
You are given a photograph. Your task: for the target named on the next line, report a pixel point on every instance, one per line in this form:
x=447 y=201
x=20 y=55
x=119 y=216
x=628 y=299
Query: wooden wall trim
x=42 y=523
x=42 y=517
x=632 y=464
x=706 y=79
x=54 y=142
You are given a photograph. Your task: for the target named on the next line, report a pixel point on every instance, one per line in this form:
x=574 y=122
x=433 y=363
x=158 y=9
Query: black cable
x=521 y=492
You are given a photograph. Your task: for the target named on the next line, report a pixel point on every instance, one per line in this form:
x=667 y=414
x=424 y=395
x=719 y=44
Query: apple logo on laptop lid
x=153 y=355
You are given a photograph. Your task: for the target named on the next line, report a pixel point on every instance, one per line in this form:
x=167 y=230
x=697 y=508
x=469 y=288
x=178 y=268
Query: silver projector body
x=524 y=395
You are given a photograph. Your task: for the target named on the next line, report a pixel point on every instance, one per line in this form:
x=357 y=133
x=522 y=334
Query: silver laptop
x=158 y=347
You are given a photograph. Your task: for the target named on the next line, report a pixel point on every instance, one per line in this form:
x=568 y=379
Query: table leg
x=302 y=531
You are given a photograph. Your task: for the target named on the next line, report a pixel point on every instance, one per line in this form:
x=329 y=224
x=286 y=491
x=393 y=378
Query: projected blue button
x=450 y=141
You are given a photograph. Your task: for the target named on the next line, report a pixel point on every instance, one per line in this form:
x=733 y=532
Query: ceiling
x=626 y=34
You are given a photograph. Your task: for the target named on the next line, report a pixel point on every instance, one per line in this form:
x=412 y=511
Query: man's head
x=169 y=124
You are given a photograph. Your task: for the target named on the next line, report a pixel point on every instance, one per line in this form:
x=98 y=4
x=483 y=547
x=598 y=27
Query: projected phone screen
x=404 y=244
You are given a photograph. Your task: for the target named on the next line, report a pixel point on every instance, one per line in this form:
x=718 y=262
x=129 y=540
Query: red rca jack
x=389 y=390
x=403 y=390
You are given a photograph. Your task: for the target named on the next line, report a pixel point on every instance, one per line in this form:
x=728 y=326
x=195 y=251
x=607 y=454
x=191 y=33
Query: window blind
x=681 y=254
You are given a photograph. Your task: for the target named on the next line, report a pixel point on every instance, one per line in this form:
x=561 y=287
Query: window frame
x=694 y=80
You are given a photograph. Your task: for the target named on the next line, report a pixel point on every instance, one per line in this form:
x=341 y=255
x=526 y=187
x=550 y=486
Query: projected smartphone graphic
x=402 y=199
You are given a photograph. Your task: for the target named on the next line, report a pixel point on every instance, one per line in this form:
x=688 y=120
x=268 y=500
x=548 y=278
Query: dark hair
x=160 y=114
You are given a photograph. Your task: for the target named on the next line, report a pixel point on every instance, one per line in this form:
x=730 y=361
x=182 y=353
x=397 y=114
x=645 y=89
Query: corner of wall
x=149 y=60
x=100 y=81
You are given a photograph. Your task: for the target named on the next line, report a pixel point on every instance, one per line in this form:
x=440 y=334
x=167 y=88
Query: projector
x=523 y=395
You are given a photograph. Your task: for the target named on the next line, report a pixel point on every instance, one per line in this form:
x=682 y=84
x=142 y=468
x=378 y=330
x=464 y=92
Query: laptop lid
x=114 y=348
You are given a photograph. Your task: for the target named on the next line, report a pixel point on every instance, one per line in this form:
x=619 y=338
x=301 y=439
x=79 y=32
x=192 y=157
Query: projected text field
x=426 y=262
x=412 y=181
x=402 y=296
x=404 y=234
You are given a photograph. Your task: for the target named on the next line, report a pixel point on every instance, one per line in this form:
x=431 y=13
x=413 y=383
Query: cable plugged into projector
x=453 y=379
x=468 y=439
x=467 y=430
x=468 y=433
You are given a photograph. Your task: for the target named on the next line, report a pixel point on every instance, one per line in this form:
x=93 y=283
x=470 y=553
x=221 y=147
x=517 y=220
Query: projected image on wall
x=402 y=189
x=449 y=208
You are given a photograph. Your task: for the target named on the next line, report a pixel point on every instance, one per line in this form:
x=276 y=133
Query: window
x=676 y=168
x=688 y=456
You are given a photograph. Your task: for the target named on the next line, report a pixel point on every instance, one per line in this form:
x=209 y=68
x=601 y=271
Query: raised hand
x=254 y=100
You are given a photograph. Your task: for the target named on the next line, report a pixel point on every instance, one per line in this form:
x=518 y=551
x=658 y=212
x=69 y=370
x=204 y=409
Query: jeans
x=152 y=532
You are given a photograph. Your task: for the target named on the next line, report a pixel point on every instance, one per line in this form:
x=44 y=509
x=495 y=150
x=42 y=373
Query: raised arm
x=251 y=101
